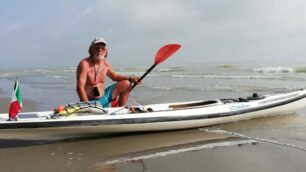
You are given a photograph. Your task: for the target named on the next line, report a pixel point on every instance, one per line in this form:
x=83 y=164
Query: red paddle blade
x=165 y=52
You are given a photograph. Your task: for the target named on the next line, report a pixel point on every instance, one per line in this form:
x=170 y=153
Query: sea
x=57 y=85
x=276 y=143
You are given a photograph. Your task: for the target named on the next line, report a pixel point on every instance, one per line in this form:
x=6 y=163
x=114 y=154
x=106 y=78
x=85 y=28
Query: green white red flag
x=16 y=101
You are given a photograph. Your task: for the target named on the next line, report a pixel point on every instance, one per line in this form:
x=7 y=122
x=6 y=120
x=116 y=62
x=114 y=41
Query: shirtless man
x=91 y=76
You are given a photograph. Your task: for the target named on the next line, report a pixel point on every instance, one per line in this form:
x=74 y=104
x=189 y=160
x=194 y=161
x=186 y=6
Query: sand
x=165 y=151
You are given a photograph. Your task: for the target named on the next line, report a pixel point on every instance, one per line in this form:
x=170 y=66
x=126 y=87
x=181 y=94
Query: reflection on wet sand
x=84 y=155
x=140 y=156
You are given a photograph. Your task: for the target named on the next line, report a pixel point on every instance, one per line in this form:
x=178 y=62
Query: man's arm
x=115 y=76
x=81 y=80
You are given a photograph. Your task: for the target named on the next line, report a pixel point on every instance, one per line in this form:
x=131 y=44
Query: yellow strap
x=69 y=110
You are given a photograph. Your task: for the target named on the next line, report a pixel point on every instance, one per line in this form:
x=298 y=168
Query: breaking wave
x=224 y=76
x=280 y=70
x=55 y=72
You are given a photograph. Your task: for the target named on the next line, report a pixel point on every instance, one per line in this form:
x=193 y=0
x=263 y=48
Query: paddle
x=162 y=54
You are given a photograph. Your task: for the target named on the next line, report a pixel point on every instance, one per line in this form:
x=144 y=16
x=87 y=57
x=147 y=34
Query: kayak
x=83 y=119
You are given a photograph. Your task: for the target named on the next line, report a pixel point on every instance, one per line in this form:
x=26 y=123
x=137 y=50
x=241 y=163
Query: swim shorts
x=107 y=98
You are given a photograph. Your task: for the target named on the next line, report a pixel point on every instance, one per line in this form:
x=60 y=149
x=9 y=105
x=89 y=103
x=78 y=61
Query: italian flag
x=16 y=102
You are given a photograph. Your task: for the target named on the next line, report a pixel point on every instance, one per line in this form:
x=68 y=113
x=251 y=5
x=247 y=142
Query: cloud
x=159 y=13
x=147 y=14
x=207 y=29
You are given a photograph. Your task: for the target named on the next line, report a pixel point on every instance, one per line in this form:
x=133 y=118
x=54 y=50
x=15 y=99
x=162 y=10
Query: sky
x=37 y=33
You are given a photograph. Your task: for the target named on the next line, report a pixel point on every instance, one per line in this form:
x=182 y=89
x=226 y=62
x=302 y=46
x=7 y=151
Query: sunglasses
x=97 y=48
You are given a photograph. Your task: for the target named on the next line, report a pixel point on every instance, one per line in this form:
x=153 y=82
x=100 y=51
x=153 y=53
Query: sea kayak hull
x=170 y=116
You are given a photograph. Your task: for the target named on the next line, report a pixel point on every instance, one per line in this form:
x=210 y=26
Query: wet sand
x=187 y=150
x=251 y=158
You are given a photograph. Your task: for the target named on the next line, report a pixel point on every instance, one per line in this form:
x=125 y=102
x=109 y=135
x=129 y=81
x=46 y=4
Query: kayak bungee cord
x=77 y=107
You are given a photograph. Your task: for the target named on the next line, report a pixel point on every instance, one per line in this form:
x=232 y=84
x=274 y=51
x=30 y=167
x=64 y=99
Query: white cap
x=98 y=40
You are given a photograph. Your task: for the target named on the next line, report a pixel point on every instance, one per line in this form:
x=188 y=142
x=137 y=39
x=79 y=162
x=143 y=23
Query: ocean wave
x=38 y=72
x=274 y=70
x=157 y=72
x=134 y=73
x=280 y=70
x=228 y=76
x=171 y=69
x=191 y=88
x=129 y=69
x=222 y=87
x=301 y=70
x=54 y=71
x=226 y=66
x=9 y=74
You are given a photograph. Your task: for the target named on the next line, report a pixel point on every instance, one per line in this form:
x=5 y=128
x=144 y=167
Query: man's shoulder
x=106 y=63
x=84 y=63
x=85 y=60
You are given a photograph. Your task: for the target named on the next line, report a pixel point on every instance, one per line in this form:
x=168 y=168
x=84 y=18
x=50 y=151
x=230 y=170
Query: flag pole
x=16 y=101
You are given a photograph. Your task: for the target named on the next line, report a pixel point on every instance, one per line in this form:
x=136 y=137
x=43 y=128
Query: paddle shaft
x=145 y=74
x=162 y=54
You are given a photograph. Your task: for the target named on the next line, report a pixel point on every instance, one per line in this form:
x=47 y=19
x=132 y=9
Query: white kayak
x=87 y=119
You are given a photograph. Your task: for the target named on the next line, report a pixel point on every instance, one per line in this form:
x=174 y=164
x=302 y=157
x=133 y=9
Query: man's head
x=97 y=48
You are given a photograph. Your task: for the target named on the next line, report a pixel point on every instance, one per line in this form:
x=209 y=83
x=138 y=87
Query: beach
x=274 y=143
x=223 y=86
x=187 y=150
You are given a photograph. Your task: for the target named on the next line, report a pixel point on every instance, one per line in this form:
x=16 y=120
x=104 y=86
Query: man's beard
x=100 y=57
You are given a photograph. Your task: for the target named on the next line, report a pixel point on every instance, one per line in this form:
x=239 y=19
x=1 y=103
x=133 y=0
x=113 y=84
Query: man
x=91 y=76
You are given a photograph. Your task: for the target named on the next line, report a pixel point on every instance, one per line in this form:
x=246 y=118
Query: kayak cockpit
x=195 y=104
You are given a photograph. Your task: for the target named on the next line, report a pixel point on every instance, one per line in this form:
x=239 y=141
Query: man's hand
x=135 y=80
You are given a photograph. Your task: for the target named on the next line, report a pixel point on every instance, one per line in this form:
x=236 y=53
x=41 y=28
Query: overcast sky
x=36 y=33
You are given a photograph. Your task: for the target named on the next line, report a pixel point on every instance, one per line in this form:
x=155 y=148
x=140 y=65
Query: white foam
x=219 y=131
x=227 y=76
x=177 y=151
x=275 y=70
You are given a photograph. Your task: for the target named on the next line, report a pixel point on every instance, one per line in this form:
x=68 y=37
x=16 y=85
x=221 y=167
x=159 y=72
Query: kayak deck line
x=209 y=102
x=157 y=117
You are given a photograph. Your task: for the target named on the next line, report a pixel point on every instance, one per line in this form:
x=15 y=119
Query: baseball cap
x=98 y=40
